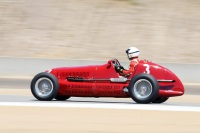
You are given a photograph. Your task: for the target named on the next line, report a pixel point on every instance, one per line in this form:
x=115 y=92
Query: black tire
x=62 y=98
x=42 y=83
x=143 y=83
x=160 y=100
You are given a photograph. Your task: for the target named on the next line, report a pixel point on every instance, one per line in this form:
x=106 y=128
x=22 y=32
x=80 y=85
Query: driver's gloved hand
x=122 y=67
x=119 y=68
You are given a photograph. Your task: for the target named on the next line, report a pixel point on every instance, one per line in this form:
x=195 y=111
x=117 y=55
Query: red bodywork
x=95 y=80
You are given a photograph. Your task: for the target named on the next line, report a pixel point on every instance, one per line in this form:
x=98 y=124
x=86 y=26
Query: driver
x=132 y=54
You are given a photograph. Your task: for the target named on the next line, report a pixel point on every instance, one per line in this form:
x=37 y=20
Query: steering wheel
x=115 y=62
x=117 y=65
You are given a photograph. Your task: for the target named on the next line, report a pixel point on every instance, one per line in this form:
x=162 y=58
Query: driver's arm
x=131 y=69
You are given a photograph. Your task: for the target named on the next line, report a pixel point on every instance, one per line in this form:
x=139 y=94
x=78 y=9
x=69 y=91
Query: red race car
x=150 y=83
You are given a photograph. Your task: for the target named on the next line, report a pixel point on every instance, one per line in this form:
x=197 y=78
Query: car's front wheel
x=44 y=86
x=143 y=88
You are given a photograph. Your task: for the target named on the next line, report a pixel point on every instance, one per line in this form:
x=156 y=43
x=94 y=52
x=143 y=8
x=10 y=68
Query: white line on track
x=154 y=107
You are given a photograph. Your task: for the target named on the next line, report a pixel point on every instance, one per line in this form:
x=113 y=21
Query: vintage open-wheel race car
x=149 y=83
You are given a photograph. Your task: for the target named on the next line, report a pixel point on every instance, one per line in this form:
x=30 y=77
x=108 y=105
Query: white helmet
x=132 y=52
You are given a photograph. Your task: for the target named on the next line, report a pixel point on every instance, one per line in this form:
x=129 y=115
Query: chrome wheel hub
x=142 y=89
x=43 y=87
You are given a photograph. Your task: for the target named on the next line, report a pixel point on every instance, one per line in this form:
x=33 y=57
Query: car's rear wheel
x=44 y=86
x=160 y=100
x=62 y=98
x=143 y=88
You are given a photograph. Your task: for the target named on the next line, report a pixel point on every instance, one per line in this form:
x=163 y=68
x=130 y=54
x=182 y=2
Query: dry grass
x=164 y=31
